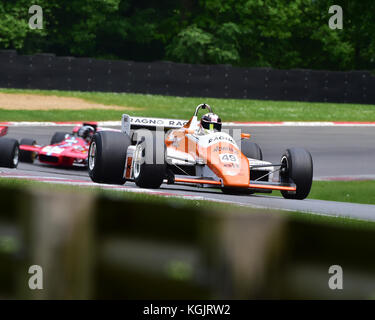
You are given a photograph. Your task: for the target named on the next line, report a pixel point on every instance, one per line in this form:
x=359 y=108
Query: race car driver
x=210 y=122
x=86 y=133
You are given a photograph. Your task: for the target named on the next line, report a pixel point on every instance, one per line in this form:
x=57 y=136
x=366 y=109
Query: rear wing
x=129 y=123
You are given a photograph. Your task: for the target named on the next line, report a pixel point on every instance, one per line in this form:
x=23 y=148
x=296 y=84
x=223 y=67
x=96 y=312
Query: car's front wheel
x=107 y=157
x=27 y=156
x=59 y=137
x=149 y=164
x=297 y=168
x=251 y=150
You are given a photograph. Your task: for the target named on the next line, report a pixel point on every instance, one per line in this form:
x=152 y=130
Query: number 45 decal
x=228 y=157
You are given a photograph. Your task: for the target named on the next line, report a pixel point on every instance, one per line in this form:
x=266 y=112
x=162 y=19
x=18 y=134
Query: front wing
x=253 y=185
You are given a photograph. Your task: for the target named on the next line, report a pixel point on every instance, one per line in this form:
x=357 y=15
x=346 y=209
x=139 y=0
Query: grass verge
x=179 y=107
x=344 y=191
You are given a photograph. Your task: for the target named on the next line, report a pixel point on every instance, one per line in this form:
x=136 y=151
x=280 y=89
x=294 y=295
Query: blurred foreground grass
x=177 y=202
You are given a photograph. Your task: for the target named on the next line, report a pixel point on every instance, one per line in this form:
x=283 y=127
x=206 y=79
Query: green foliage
x=191 y=45
x=13 y=24
x=194 y=45
x=257 y=33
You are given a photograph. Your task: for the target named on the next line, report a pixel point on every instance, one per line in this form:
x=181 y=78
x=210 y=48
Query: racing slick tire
x=27 y=156
x=58 y=137
x=298 y=168
x=107 y=157
x=149 y=173
x=9 y=153
x=251 y=150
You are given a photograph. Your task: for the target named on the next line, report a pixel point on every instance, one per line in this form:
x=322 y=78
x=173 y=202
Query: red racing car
x=65 y=149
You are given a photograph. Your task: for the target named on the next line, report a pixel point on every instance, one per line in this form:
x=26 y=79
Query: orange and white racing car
x=151 y=151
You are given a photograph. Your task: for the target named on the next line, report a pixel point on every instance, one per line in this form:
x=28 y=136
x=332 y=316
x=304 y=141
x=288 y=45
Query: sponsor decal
x=223 y=149
x=220 y=138
x=50 y=150
x=228 y=158
x=147 y=121
x=177 y=123
x=157 y=122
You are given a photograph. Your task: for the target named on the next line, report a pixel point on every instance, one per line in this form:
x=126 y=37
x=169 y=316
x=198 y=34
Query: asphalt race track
x=338 y=153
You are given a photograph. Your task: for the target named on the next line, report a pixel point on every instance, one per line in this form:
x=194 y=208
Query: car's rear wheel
x=297 y=168
x=9 y=153
x=149 y=163
x=251 y=150
x=27 y=156
x=59 y=137
x=107 y=157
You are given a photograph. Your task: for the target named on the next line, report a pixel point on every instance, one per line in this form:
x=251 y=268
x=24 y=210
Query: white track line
x=360 y=177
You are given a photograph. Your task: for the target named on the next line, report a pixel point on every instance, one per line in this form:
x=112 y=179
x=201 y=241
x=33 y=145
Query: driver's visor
x=211 y=125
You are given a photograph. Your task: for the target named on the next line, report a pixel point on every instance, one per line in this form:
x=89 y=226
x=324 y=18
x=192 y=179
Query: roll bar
x=202 y=106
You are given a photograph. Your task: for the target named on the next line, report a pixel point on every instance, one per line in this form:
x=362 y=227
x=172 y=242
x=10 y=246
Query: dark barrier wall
x=46 y=71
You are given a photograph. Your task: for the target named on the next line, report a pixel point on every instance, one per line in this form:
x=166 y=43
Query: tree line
x=280 y=34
